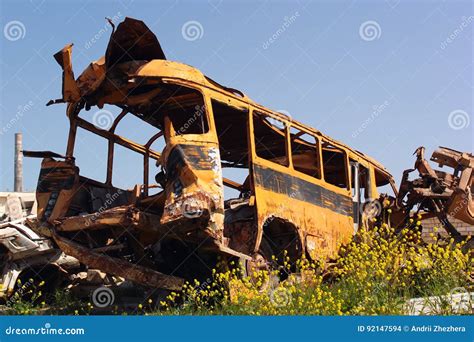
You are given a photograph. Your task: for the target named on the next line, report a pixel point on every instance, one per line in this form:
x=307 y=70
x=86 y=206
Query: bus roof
x=182 y=72
x=144 y=59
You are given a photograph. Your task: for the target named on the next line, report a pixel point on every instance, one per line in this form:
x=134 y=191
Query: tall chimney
x=18 y=182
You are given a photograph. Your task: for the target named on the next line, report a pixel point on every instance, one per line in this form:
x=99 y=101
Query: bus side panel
x=323 y=217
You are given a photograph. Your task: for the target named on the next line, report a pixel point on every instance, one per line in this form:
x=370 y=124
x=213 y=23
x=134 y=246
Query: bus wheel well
x=51 y=274
x=283 y=236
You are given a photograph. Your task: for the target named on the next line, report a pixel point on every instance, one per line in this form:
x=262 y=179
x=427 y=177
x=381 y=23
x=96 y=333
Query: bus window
x=270 y=138
x=305 y=153
x=363 y=182
x=334 y=166
x=90 y=151
x=383 y=184
x=187 y=112
x=135 y=129
x=231 y=129
x=124 y=176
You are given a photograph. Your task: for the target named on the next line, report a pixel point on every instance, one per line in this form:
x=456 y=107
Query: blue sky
x=382 y=76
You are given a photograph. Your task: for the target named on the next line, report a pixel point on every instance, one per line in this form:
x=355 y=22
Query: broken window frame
x=206 y=100
x=258 y=112
x=112 y=138
x=317 y=143
x=324 y=143
x=204 y=114
x=386 y=181
x=244 y=109
x=144 y=149
x=368 y=187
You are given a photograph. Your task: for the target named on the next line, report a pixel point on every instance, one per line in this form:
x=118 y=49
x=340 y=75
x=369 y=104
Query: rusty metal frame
x=195 y=166
x=438 y=193
x=113 y=139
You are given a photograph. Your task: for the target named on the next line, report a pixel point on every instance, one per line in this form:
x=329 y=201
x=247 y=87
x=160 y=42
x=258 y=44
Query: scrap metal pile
x=436 y=193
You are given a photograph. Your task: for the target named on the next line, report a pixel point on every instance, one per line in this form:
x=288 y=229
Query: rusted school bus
x=302 y=191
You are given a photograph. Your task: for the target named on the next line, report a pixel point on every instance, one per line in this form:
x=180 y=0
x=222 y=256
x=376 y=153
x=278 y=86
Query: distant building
x=430 y=224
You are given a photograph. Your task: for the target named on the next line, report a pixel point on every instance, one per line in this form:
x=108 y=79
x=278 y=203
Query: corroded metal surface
x=440 y=193
x=136 y=273
x=298 y=195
